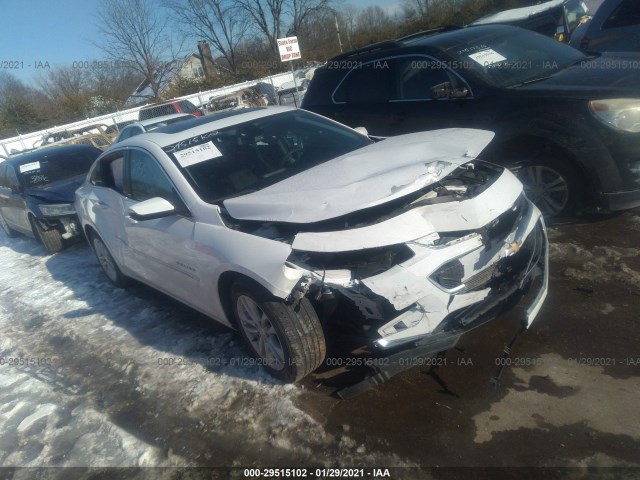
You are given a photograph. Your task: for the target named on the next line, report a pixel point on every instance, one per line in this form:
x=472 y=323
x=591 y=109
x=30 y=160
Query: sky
x=37 y=35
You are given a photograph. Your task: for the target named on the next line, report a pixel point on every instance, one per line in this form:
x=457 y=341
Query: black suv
x=568 y=124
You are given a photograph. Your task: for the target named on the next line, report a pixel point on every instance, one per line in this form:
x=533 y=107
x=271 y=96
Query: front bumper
x=492 y=274
x=525 y=290
x=615 y=202
x=67 y=225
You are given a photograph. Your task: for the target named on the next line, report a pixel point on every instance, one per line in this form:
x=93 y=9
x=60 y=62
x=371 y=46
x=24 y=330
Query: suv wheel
x=552 y=186
x=51 y=239
x=287 y=340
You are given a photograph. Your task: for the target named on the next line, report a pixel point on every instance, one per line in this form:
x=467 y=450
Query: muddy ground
x=570 y=397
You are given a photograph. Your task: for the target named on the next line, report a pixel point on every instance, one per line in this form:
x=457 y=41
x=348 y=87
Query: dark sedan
x=567 y=123
x=37 y=193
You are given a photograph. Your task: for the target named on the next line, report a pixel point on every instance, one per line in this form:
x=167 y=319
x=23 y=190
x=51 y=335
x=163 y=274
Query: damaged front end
x=432 y=266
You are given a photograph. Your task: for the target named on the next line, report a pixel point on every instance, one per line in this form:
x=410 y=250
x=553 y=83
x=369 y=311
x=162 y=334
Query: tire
x=8 y=231
x=286 y=339
x=51 y=239
x=107 y=262
x=552 y=185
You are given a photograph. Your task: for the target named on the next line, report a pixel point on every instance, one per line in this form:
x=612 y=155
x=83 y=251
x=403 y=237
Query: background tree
x=111 y=87
x=222 y=23
x=68 y=89
x=301 y=10
x=22 y=108
x=266 y=17
x=137 y=33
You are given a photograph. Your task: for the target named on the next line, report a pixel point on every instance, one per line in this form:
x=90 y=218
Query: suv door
x=427 y=95
x=362 y=96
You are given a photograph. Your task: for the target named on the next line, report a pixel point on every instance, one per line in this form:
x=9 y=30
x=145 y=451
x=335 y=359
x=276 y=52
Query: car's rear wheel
x=8 y=231
x=108 y=264
x=51 y=239
x=286 y=339
x=552 y=186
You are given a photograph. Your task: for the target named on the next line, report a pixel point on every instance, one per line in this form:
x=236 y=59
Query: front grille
x=496 y=231
x=508 y=269
x=449 y=276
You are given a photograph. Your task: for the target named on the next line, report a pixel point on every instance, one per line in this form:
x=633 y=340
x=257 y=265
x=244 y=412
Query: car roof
x=179 y=131
x=52 y=151
x=441 y=38
x=518 y=14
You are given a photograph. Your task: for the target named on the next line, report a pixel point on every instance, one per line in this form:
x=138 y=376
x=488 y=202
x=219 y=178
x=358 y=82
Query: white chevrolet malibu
x=276 y=221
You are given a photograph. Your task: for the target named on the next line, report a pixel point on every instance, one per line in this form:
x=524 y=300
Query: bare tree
x=68 y=89
x=269 y=17
x=300 y=10
x=22 y=108
x=111 y=88
x=137 y=34
x=223 y=23
x=266 y=16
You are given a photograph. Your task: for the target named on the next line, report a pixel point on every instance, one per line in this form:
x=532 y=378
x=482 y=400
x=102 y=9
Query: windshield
x=255 y=154
x=56 y=167
x=576 y=10
x=505 y=59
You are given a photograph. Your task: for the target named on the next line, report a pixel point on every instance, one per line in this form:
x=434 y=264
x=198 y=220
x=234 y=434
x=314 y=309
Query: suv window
x=186 y=106
x=418 y=77
x=157 y=111
x=625 y=15
x=147 y=178
x=367 y=83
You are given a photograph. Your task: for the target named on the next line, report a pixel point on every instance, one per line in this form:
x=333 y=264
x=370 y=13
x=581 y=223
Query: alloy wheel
x=260 y=332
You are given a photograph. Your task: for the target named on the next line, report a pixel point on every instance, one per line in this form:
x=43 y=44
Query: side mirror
x=362 y=130
x=151 y=209
x=446 y=90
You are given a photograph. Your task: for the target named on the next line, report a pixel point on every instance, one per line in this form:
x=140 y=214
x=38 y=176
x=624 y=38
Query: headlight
x=57 y=210
x=620 y=113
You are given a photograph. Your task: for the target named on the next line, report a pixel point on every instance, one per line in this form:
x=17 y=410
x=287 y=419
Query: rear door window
x=370 y=82
x=625 y=15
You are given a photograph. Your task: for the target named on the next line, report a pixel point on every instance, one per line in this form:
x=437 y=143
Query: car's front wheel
x=51 y=239
x=106 y=261
x=287 y=339
x=8 y=231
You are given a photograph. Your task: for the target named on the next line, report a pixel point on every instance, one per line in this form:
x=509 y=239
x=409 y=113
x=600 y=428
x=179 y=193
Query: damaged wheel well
x=225 y=282
x=88 y=232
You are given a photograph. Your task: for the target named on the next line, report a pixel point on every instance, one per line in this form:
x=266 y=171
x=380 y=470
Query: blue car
x=37 y=193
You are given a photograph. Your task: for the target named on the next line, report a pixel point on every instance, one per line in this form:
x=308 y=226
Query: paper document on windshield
x=199 y=153
x=487 y=57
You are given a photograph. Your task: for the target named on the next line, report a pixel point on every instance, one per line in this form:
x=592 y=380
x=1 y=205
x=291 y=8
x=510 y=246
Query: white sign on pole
x=289 y=49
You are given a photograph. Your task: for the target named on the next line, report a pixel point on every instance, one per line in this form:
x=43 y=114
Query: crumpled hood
x=369 y=176
x=59 y=192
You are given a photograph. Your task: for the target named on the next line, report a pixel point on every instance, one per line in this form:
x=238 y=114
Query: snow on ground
x=605 y=264
x=93 y=375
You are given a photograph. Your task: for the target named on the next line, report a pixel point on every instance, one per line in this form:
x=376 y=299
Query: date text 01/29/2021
x=316 y=473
